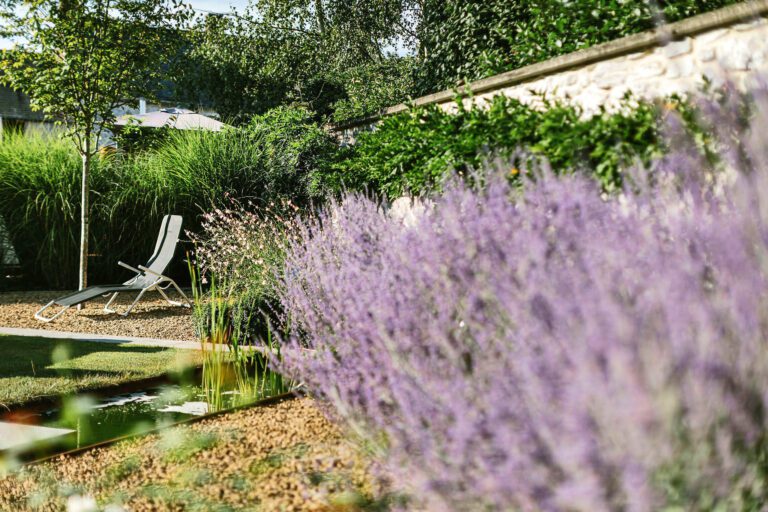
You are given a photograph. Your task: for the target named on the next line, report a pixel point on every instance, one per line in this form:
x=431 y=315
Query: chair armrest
x=125 y=265
x=145 y=269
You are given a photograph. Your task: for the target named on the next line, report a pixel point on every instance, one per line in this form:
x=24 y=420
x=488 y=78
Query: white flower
x=78 y=503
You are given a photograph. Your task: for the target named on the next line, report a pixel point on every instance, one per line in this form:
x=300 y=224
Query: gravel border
x=281 y=457
x=153 y=317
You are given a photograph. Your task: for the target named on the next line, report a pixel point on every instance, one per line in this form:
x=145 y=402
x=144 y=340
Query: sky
x=204 y=5
x=218 y=6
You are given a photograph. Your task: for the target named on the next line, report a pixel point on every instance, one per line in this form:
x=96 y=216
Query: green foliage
x=469 y=40
x=270 y=159
x=244 y=67
x=79 y=61
x=415 y=150
x=241 y=250
x=133 y=137
x=280 y=52
x=39 y=204
x=371 y=88
x=4 y=246
x=291 y=146
x=230 y=352
x=457 y=38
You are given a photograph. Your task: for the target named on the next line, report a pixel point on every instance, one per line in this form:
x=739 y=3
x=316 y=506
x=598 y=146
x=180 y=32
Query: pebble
x=152 y=317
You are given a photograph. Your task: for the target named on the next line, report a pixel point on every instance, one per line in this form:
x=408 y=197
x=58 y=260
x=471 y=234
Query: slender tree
x=82 y=60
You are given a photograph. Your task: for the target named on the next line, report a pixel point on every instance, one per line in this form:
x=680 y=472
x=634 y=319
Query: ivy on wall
x=469 y=40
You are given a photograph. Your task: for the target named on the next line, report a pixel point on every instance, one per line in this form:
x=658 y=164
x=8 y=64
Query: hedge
x=473 y=39
x=412 y=152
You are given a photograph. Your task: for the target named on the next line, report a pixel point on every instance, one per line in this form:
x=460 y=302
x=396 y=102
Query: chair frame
x=155 y=284
x=39 y=314
x=159 y=283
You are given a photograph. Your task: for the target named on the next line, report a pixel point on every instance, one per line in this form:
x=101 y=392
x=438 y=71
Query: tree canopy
x=461 y=40
x=299 y=51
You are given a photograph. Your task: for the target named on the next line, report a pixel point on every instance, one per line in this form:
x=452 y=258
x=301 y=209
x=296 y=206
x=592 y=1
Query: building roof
x=15 y=105
x=177 y=118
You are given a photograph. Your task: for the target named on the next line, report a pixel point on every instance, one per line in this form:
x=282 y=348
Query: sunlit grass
x=192 y=171
x=32 y=368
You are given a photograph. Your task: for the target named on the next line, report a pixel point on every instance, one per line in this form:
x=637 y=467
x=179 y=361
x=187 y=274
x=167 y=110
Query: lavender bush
x=555 y=349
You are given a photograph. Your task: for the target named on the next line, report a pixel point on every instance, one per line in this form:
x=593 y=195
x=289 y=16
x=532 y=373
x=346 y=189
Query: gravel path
x=282 y=457
x=151 y=318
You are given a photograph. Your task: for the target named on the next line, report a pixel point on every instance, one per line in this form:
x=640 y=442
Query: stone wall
x=730 y=43
x=738 y=53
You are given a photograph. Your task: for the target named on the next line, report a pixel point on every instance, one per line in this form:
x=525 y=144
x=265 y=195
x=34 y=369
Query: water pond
x=92 y=419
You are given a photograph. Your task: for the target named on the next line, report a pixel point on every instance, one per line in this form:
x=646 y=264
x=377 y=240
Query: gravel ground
x=285 y=457
x=153 y=317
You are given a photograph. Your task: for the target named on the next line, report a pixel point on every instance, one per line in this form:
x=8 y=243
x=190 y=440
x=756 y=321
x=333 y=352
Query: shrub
x=5 y=246
x=241 y=249
x=551 y=349
x=371 y=88
x=416 y=150
x=292 y=148
x=133 y=137
x=271 y=158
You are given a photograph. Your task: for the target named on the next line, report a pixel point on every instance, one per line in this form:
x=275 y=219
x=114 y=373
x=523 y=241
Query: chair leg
x=165 y=296
x=138 y=298
x=186 y=299
x=111 y=300
x=39 y=315
x=171 y=282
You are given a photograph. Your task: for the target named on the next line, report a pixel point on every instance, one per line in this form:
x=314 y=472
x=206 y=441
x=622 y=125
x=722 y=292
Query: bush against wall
x=291 y=148
x=414 y=151
x=371 y=88
x=190 y=172
x=549 y=348
x=469 y=40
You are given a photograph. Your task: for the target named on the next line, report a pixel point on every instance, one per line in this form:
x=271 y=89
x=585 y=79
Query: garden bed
x=285 y=456
x=153 y=317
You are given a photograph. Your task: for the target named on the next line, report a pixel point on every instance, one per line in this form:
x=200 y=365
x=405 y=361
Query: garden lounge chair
x=147 y=278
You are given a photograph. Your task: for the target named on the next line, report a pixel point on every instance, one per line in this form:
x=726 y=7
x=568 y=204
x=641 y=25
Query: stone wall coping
x=727 y=16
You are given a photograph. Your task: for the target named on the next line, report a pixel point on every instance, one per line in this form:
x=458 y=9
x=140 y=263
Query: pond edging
x=291 y=395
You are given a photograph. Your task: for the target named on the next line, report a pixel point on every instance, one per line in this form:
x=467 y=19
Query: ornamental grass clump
x=241 y=248
x=552 y=349
x=239 y=251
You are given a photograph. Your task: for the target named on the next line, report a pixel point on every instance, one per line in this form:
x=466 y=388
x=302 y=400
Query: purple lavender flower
x=552 y=349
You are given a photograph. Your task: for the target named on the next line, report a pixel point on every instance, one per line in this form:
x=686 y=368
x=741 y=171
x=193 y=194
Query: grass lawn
x=31 y=367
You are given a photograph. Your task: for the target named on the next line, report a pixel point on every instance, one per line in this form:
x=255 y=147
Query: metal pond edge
x=55 y=401
x=291 y=395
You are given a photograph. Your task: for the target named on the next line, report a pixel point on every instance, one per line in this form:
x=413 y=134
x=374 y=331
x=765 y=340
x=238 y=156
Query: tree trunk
x=320 y=13
x=84 y=215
